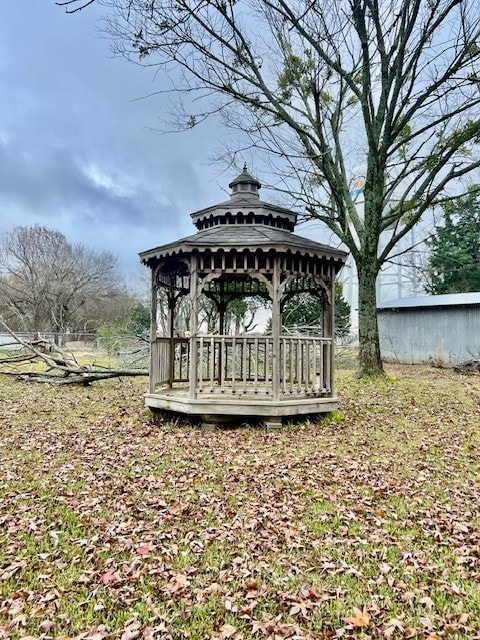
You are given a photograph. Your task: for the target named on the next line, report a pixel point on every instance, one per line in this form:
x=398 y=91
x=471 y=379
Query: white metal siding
x=420 y=335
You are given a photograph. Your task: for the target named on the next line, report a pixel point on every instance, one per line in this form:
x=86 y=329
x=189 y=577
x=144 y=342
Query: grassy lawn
x=366 y=524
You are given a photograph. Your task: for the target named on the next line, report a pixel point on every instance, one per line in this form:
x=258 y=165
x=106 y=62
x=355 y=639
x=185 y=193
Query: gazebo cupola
x=243 y=248
x=245 y=184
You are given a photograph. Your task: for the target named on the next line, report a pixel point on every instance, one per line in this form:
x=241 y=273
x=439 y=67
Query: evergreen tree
x=455 y=260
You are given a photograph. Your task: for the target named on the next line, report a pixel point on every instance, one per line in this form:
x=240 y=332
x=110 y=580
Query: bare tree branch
x=329 y=90
x=72 y=6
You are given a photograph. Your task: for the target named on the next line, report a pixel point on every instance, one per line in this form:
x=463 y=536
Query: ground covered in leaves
x=365 y=524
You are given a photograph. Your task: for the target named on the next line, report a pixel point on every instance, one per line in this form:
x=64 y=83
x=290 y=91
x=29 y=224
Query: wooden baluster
x=257 y=365
x=244 y=363
x=201 y=359
x=212 y=363
x=299 y=365
x=234 y=364
x=223 y=359
x=290 y=365
x=328 y=372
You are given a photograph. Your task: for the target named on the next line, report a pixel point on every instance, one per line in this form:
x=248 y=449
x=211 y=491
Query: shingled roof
x=243 y=222
x=242 y=237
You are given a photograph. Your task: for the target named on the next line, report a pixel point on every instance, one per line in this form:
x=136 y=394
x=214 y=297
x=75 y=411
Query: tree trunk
x=370 y=363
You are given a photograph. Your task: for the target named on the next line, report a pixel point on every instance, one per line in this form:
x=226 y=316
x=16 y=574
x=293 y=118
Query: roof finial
x=245 y=167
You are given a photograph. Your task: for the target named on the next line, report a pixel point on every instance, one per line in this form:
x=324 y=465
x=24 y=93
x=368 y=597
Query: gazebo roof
x=244 y=222
x=244 y=203
x=245 y=178
x=240 y=238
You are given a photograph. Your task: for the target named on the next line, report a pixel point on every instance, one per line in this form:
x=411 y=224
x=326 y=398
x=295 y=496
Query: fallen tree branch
x=470 y=366
x=61 y=366
x=18 y=359
x=83 y=378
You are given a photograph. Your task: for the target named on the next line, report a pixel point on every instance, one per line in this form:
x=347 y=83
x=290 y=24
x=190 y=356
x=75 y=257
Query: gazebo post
x=221 y=317
x=276 y=330
x=153 y=332
x=222 y=307
x=328 y=330
x=332 y=335
x=171 y=335
x=194 y=294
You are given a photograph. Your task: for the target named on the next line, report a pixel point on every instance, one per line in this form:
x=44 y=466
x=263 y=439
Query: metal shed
x=430 y=328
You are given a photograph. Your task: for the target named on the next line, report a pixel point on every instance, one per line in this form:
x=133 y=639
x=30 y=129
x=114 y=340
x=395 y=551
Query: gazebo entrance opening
x=244 y=249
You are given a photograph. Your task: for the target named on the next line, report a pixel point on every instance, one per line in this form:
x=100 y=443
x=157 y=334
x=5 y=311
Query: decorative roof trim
x=242 y=206
x=186 y=248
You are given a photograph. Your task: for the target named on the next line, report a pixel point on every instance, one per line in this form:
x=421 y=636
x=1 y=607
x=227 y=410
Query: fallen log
x=86 y=377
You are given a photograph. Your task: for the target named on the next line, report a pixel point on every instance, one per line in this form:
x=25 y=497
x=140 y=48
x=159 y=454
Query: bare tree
x=385 y=88
x=46 y=283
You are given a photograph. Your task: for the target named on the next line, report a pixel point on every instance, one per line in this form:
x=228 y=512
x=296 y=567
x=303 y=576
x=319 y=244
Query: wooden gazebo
x=243 y=247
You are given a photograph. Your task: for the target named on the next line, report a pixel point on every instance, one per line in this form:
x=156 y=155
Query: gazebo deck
x=241 y=404
x=235 y=375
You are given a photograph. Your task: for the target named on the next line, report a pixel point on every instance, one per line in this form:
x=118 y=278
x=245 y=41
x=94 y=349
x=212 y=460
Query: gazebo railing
x=244 y=365
x=169 y=361
x=235 y=364
x=305 y=365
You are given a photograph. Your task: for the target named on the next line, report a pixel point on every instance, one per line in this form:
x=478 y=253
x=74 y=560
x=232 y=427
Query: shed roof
x=445 y=300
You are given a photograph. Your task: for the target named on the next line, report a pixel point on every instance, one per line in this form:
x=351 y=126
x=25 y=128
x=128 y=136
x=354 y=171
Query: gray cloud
x=77 y=151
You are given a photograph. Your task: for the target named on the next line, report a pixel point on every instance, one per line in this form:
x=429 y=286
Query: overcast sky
x=77 y=150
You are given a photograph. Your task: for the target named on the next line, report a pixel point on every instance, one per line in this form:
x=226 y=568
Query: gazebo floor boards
x=227 y=403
